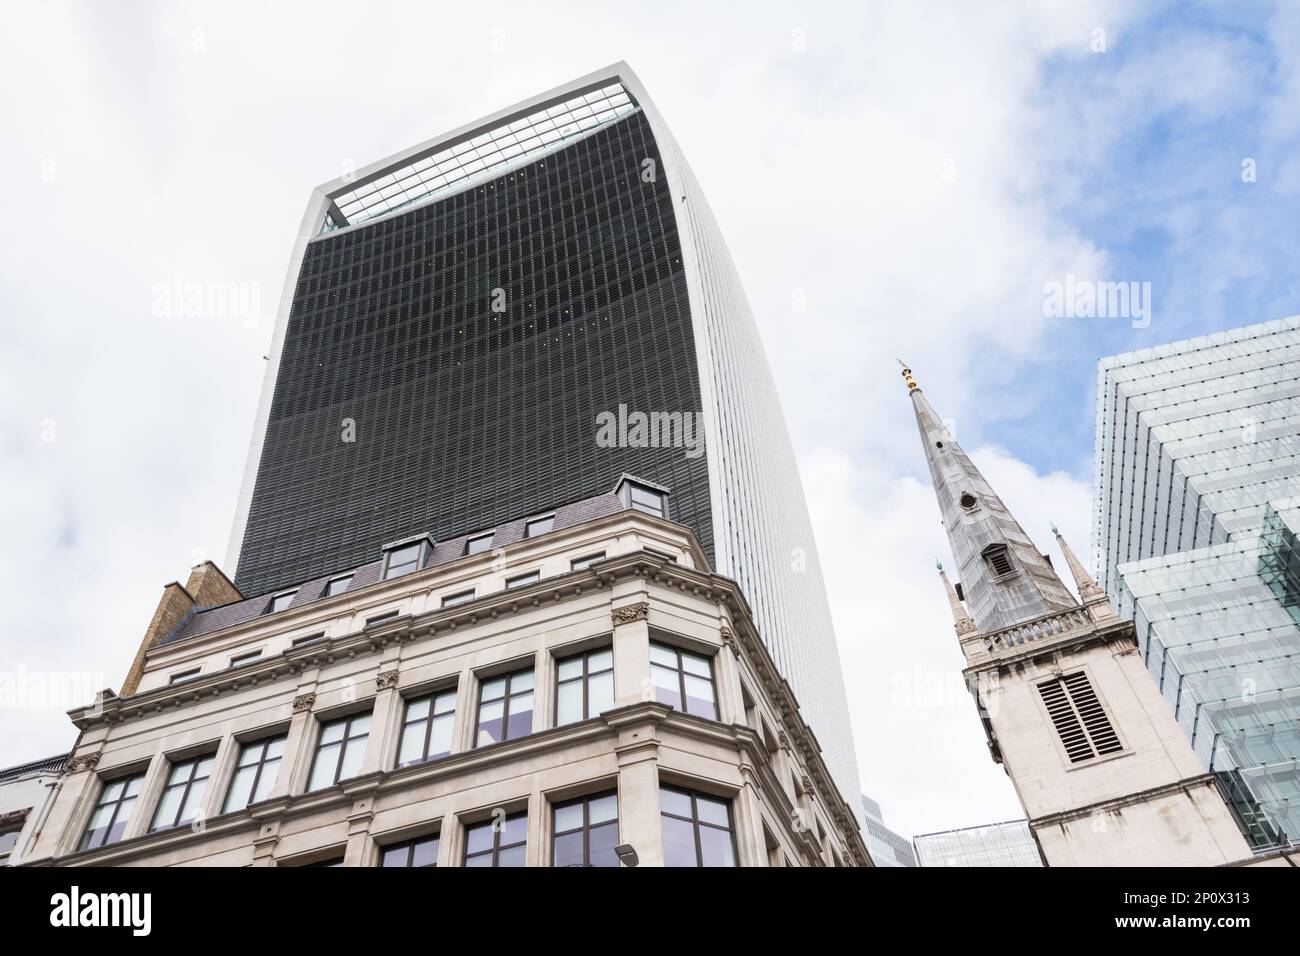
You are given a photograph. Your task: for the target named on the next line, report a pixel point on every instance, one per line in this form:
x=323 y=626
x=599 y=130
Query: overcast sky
x=915 y=172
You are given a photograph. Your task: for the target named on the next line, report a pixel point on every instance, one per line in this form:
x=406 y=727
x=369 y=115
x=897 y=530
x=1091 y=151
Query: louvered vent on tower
x=1079 y=718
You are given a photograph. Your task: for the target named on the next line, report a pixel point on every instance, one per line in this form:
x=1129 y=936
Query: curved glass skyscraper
x=509 y=317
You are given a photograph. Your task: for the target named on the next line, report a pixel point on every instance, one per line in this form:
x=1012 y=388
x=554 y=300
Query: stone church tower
x=1104 y=774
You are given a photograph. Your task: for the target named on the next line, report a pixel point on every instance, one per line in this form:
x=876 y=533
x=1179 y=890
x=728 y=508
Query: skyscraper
x=994 y=844
x=1197 y=510
x=462 y=318
x=887 y=848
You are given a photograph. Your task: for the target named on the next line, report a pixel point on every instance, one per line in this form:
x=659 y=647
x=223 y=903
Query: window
x=584 y=686
x=281 y=601
x=386 y=616
x=998 y=559
x=464 y=597
x=183 y=676
x=647 y=500
x=112 y=811
x=338 y=585
x=183 y=793
x=427 y=728
x=259 y=763
x=8 y=840
x=697 y=829
x=421 y=852
x=661 y=555
x=505 y=707
x=242 y=659
x=586 y=832
x=403 y=560
x=539 y=526
x=1081 y=722
x=582 y=564
x=309 y=639
x=487 y=844
x=683 y=680
x=479 y=544
x=523 y=580
x=341 y=749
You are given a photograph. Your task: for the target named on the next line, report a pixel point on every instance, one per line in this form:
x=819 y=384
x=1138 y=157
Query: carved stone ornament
x=386 y=679
x=630 y=613
x=303 y=702
x=729 y=640
x=85 y=762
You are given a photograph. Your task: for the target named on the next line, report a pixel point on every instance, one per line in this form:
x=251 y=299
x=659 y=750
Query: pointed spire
x=907 y=377
x=1083 y=581
x=961 y=621
x=1006 y=580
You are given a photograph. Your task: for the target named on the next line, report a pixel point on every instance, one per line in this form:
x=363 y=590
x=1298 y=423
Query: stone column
x=631 y=646
x=296 y=763
x=638 y=787
x=358 y=851
x=385 y=723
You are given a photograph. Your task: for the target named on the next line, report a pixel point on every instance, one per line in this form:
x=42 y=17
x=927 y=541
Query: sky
x=915 y=175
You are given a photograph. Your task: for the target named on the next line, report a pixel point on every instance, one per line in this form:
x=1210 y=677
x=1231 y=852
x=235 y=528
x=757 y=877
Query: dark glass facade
x=470 y=406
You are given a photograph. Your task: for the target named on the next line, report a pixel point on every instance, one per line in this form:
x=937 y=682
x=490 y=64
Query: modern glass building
x=886 y=847
x=1196 y=485
x=459 y=321
x=995 y=844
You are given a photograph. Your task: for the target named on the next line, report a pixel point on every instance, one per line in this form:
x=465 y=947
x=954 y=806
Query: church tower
x=1104 y=773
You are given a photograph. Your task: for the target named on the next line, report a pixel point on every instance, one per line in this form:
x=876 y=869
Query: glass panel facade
x=1196 y=483
x=998 y=844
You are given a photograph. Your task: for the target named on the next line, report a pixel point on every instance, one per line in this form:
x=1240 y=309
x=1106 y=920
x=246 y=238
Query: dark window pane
x=679 y=842
x=568 y=849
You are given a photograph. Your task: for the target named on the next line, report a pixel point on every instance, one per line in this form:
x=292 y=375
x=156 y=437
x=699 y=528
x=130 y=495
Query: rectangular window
x=586 y=832
x=697 y=829
x=479 y=544
x=8 y=840
x=648 y=501
x=464 y=597
x=584 y=686
x=112 y=811
x=582 y=564
x=486 y=844
x=523 y=580
x=420 y=852
x=403 y=560
x=539 y=526
x=386 y=616
x=183 y=676
x=683 y=680
x=427 y=728
x=338 y=585
x=341 y=749
x=309 y=639
x=505 y=707
x=662 y=555
x=243 y=659
x=1080 y=720
x=259 y=764
x=281 y=601
x=183 y=793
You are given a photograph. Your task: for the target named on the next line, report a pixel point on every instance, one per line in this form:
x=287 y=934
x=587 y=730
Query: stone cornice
x=1127 y=800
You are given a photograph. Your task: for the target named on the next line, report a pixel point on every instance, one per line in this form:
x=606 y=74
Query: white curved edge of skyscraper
x=750 y=455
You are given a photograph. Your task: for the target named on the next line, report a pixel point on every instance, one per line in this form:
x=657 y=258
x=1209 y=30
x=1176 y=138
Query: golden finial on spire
x=907 y=377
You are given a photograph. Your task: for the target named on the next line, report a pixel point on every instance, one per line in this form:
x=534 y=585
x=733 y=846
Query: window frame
x=195 y=761
x=681 y=677
x=696 y=822
x=275 y=598
x=347 y=739
x=429 y=720
x=509 y=676
x=346 y=579
x=246 y=658
x=586 y=827
x=523 y=580
x=134 y=776
x=421 y=546
x=489 y=536
x=261 y=764
x=586 y=562
x=180 y=677
x=495 y=852
x=457 y=599
x=644 y=507
x=585 y=678
x=408 y=845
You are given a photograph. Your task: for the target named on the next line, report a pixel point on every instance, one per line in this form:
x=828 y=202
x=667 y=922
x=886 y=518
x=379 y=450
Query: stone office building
x=575 y=687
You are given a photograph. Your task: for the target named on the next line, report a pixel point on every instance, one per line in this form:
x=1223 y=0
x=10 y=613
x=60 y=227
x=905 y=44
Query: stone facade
x=758 y=755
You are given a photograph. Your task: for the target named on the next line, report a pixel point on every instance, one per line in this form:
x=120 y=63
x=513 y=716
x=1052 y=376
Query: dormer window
x=338 y=585
x=480 y=543
x=998 y=559
x=404 y=557
x=281 y=601
x=643 y=496
x=539 y=526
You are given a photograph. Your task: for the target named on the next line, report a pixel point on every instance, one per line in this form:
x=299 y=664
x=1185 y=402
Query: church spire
x=1089 y=592
x=1004 y=578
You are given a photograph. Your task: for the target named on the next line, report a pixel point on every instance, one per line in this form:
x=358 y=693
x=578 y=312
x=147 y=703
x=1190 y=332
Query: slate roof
x=48 y=765
x=206 y=620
